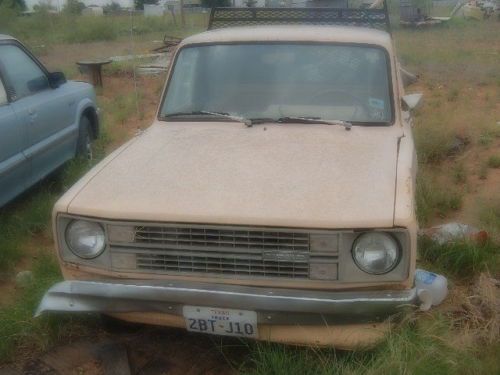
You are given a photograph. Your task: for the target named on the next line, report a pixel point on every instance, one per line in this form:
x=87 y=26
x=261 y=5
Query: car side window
x=24 y=76
x=3 y=94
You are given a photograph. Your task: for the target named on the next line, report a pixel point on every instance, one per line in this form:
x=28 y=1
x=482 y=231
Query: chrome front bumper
x=274 y=306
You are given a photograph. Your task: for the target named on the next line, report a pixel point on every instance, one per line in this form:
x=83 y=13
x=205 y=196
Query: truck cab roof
x=293 y=33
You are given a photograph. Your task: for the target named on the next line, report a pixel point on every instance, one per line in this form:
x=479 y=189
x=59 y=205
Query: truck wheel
x=84 y=144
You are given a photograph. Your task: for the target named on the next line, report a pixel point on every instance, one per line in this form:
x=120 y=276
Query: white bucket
x=432 y=288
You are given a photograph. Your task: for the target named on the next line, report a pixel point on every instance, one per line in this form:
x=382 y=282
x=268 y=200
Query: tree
x=13 y=4
x=139 y=4
x=74 y=7
x=112 y=8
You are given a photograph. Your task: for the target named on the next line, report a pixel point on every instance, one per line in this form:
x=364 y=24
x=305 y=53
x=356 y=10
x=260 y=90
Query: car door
x=14 y=166
x=46 y=112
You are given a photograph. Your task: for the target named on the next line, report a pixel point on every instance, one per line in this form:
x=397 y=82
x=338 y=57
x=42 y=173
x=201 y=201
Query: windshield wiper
x=247 y=122
x=315 y=120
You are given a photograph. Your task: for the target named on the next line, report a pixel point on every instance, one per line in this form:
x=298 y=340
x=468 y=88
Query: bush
x=112 y=8
x=74 y=7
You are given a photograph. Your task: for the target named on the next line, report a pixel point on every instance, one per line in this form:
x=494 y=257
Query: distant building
x=327 y=3
x=243 y=3
x=293 y=3
x=93 y=11
x=58 y=5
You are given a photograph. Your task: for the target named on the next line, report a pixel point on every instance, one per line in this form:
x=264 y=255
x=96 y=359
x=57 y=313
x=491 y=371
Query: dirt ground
x=136 y=350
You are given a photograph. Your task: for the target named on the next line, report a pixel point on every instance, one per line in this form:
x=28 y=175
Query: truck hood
x=290 y=175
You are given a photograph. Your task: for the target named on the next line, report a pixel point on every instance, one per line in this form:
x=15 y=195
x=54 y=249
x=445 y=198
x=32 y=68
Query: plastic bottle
x=432 y=288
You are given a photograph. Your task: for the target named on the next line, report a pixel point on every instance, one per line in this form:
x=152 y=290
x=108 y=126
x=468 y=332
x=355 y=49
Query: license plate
x=219 y=321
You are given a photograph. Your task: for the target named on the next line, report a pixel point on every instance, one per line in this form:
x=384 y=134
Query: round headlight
x=376 y=252
x=85 y=238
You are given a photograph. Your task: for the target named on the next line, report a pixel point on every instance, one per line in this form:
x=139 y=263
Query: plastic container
x=432 y=288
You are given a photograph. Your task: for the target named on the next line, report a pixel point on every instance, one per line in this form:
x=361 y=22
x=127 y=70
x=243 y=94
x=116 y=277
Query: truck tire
x=84 y=143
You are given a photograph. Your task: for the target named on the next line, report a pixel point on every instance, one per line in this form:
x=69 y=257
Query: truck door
x=42 y=109
x=14 y=166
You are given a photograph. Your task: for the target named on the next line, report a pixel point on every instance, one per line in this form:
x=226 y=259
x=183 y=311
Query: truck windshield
x=270 y=81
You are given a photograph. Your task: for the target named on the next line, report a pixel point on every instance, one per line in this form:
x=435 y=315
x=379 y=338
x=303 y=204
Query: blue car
x=44 y=119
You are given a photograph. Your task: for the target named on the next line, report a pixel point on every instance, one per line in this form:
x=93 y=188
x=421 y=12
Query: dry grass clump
x=476 y=312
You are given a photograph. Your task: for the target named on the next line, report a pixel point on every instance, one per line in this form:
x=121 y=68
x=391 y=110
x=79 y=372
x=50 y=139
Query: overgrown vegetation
x=18 y=329
x=30 y=218
x=420 y=346
x=47 y=28
x=432 y=200
x=460 y=258
x=489 y=216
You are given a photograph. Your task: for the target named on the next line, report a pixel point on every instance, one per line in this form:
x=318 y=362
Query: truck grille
x=219 y=250
x=222 y=238
x=230 y=264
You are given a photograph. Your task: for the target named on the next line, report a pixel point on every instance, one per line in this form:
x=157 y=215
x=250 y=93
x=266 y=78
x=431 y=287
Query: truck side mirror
x=56 y=79
x=411 y=101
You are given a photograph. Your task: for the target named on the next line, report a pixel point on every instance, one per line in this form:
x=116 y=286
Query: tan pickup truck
x=272 y=198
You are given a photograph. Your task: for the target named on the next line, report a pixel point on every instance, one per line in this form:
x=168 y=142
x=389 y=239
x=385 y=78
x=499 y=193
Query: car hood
x=290 y=175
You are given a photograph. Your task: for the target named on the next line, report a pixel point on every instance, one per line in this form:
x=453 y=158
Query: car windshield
x=324 y=81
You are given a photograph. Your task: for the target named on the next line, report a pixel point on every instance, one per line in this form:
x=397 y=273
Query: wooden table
x=94 y=68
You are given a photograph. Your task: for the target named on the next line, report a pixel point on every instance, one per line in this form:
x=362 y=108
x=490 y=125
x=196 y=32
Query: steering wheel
x=342 y=97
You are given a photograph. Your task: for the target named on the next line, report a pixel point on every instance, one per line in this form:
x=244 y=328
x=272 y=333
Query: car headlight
x=85 y=238
x=376 y=252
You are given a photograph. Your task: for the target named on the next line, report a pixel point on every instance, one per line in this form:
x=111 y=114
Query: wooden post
x=183 y=20
x=171 y=8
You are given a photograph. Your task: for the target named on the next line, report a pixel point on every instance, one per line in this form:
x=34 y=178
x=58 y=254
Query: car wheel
x=84 y=144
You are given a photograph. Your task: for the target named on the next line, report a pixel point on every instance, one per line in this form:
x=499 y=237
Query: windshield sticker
x=376 y=103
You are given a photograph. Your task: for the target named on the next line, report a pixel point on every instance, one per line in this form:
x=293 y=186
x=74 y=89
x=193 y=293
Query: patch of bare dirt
x=148 y=351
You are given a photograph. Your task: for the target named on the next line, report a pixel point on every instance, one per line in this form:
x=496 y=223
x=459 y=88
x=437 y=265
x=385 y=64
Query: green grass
x=432 y=200
x=459 y=174
x=47 y=29
x=489 y=216
x=18 y=328
x=418 y=347
x=28 y=218
x=494 y=161
x=434 y=141
x=459 y=48
x=461 y=258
